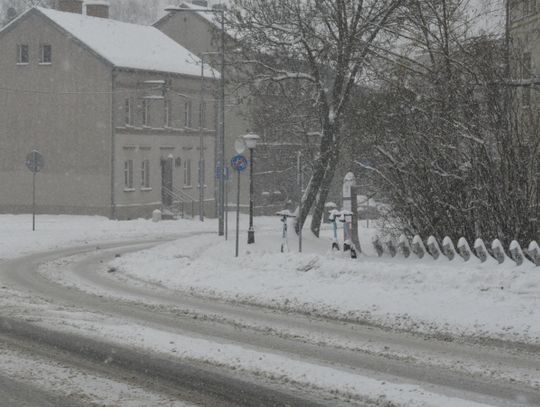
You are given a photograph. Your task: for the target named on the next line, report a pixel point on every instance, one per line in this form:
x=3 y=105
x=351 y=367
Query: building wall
x=160 y=140
x=64 y=111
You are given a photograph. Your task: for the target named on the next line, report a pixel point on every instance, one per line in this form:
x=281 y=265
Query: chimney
x=201 y=3
x=97 y=8
x=70 y=6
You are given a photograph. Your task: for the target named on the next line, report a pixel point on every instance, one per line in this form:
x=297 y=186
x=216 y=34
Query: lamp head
x=251 y=140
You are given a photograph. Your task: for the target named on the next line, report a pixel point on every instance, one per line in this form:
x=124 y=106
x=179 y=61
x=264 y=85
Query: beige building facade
x=121 y=133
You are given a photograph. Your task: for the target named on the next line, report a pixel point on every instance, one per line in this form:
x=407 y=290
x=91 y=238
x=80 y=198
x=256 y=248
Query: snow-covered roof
x=210 y=17
x=213 y=18
x=130 y=46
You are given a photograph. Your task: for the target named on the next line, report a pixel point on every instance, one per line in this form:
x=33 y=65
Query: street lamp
x=251 y=142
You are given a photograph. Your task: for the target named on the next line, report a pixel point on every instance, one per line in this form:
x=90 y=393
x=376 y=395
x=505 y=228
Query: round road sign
x=35 y=161
x=239 y=162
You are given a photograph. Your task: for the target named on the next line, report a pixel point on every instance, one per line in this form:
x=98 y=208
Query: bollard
x=516 y=252
x=404 y=246
x=377 y=245
x=417 y=247
x=156 y=215
x=433 y=247
x=334 y=214
x=464 y=249
x=498 y=251
x=348 y=245
x=285 y=215
x=480 y=249
x=448 y=248
x=534 y=252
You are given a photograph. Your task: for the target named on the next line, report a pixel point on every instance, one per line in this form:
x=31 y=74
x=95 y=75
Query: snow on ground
x=425 y=295
x=76 y=384
x=54 y=232
x=271 y=366
x=422 y=295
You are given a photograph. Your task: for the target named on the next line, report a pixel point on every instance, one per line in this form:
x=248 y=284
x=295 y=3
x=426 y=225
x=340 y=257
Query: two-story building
x=119 y=111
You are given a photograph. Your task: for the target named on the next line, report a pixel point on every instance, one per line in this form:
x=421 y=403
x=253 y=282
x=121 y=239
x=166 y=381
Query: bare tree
x=10 y=9
x=324 y=45
x=458 y=152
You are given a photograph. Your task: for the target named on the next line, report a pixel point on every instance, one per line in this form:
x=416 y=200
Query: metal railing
x=178 y=199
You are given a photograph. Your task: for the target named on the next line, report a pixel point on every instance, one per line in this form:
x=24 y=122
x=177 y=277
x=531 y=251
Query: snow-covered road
x=75 y=291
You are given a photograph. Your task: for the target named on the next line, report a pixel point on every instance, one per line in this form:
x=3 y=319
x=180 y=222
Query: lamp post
x=251 y=142
x=221 y=113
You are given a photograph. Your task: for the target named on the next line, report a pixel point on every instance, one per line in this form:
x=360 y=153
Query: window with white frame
x=146 y=112
x=145 y=174
x=23 y=55
x=45 y=54
x=187 y=114
x=167 y=113
x=128 y=111
x=128 y=174
x=187 y=172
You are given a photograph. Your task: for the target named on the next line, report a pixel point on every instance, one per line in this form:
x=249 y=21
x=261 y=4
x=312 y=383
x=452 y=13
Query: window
x=202 y=115
x=145 y=174
x=128 y=111
x=128 y=174
x=168 y=113
x=22 y=54
x=187 y=172
x=45 y=54
x=187 y=113
x=145 y=112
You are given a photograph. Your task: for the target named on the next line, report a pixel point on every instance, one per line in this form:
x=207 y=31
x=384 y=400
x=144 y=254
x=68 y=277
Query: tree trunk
x=323 y=192
x=328 y=152
x=311 y=195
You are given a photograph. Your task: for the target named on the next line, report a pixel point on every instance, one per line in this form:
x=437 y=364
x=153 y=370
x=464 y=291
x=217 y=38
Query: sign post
x=35 y=163
x=239 y=163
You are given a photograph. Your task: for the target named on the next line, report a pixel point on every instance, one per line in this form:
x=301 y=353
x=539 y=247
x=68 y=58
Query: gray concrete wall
x=64 y=111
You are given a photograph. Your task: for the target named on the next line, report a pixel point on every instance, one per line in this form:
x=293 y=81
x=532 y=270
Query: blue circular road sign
x=239 y=162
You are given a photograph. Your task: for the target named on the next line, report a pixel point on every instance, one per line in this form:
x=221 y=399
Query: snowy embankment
x=434 y=297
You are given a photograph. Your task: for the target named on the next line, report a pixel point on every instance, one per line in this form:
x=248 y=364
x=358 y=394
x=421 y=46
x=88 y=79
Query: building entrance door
x=167 y=182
